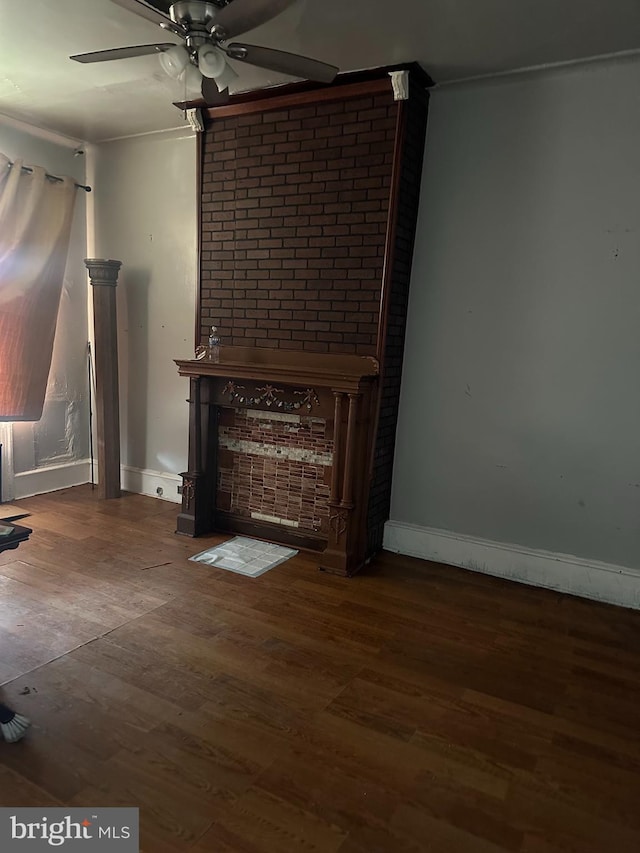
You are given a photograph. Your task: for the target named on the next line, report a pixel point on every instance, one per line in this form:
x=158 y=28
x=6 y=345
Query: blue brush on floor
x=12 y=726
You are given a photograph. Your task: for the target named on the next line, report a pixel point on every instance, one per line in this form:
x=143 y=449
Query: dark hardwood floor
x=415 y=707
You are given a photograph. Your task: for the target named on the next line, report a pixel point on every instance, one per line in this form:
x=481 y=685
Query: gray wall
x=520 y=411
x=62 y=435
x=146 y=217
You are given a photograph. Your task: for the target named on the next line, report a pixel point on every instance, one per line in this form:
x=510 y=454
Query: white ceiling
x=452 y=39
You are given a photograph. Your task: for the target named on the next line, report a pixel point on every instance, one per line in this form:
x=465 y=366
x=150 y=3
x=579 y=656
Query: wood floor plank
x=267 y=823
x=413 y=708
x=549 y=824
x=308 y=779
x=470 y=811
x=17 y=791
x=157 y=675
x=435 y=834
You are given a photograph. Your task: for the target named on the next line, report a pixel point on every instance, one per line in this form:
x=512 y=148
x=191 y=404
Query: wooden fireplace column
x=339 y=389
x=198 y=483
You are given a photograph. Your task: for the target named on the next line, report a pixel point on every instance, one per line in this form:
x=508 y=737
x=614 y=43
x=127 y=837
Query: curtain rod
x=27 y=170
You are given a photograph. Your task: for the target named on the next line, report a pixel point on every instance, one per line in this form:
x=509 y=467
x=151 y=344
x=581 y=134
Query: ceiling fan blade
x=139 y=8
x=161 y=5
x=244 y=15
x=286 y=63
x=121 y=52
x=212 y=95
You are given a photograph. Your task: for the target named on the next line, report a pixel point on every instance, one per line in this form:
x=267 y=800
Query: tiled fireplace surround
x=276 y=467
x=309 y=201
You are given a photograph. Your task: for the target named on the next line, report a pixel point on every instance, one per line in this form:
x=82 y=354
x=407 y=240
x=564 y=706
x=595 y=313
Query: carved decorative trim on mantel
x=338 y=522
x=188 y=492
x=268 y=396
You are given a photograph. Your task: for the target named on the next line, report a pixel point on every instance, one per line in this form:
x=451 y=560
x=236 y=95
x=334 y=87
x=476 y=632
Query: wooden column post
x=104 y=279
x=199 y=482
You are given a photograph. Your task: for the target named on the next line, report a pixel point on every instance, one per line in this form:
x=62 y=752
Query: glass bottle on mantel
x=214 y=344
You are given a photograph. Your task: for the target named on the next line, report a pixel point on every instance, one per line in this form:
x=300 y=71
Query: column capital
x=103 y=272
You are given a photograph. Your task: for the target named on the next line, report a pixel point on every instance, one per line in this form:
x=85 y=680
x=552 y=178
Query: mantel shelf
x=340 y=372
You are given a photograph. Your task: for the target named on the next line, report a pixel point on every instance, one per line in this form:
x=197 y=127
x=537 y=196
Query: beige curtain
x=35 y=226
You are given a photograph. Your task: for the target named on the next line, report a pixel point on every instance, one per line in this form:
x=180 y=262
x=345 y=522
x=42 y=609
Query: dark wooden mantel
x=339 y=388
x=344 y=372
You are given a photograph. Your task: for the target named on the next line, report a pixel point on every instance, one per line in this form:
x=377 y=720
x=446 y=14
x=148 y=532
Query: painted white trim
x=182 y=132
x=40 y=132
x=6 y=440
x=144 y=481
x=90 y=175
x=91 y=170
x=51 y=478
x=55 y=477
x=561 y=572
x=616 y=56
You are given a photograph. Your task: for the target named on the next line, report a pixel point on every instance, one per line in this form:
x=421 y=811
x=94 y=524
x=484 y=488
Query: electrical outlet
x=179 y=490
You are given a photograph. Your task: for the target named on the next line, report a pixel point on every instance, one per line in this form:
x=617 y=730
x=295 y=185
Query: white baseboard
x=51 y=479
x=562 y=572
x=144 y=481
x=54 y=477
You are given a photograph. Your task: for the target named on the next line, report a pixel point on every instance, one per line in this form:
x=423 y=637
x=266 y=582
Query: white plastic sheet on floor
x=249 y=557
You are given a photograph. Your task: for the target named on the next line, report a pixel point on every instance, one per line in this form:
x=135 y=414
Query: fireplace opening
x=275 y=467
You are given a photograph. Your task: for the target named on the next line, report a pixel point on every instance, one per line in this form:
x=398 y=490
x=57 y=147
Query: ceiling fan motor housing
x=194 y=15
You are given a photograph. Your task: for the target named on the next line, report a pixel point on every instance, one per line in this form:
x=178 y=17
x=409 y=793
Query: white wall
x=145 y=216
x=61 y=437
x=520 y=411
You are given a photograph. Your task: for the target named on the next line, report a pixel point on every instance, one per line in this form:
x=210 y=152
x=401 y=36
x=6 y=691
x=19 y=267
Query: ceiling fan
x=205 y=28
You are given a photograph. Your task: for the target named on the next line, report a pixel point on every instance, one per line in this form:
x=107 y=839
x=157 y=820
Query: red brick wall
x=294 y=216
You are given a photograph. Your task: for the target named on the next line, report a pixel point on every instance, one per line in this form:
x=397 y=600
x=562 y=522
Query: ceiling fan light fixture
x=174 y=61
x=211 y=61
x=192 y=80
x=228 y=76
x=202 y=65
